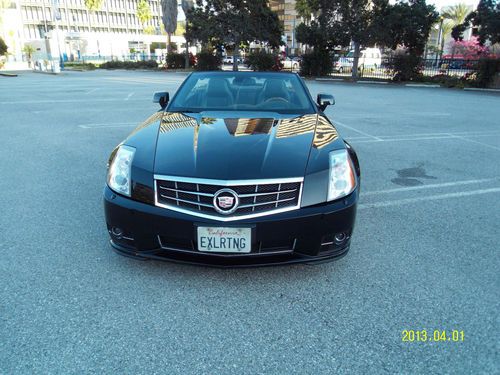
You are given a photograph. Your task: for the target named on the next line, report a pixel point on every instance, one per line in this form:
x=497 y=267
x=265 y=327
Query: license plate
x=224 y=240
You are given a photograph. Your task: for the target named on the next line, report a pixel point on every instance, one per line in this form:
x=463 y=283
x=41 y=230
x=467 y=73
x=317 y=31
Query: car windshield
x=226 y=91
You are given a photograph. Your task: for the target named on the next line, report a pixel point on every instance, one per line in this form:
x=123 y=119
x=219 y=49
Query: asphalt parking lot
x=425 y=254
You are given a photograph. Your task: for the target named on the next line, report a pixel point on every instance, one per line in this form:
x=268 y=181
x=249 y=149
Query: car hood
x=218 y=145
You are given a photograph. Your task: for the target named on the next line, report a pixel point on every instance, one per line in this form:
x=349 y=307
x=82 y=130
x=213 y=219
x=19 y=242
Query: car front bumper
x=145 y=231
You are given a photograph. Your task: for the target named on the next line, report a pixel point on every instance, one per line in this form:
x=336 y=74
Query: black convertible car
x=239 y=168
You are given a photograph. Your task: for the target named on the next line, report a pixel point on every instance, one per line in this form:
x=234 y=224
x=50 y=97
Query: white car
x=291 y=63
x=369 y=58
x=229 y=60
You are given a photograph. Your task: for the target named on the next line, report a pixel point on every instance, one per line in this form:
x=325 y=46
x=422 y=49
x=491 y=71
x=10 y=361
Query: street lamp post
x=57 y=17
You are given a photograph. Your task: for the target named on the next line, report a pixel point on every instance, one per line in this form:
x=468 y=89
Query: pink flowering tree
x=469 y=49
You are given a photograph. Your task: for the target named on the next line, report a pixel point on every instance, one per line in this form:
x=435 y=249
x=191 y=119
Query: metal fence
x=429 y=67
x=130 y=57
x=342 y=68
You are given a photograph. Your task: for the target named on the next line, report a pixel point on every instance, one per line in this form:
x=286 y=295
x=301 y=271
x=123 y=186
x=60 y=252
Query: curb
x=374 y=82
x=421 y=85
x=8 y=74
x=350 y=81
x=76 y=70
x=479 y=89
x=330 y=79
x=40 y=72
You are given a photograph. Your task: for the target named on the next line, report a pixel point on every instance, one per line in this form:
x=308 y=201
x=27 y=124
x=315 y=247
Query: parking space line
x=145 y=80
x=357 y=131
x=476 y=142
x=60 y=101
x=431 y=186
x=108 y=125
x=491 y=132
x=431 y=135
x=400 y=202
x=404 y=139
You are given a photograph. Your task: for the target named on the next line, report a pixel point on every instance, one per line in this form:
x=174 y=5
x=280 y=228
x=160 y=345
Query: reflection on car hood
x=218 y=145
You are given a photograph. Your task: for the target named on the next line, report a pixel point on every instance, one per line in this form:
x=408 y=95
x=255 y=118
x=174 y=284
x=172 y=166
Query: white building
x=113 y=31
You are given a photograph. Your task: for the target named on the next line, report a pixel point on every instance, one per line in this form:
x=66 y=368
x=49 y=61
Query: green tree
x=305 y=9
x=355 y=22
x=233 y=23
x=339 y=22
x=169 y=19
x=143 y=12
x=409 y=24
x=368 y=22
x=93 y=5
x=3 y=47
x=485 y=20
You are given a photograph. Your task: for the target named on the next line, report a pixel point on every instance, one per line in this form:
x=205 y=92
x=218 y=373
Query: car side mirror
x=162 y=98
x=324 y=100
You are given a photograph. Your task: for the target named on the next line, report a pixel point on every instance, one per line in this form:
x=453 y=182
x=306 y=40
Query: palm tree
x=169 y=18
x=187 y=5
x=456 y=13
x=446 y=29
x=304 y=10
x=453 y=15
x=29 y=50
x=143 y=12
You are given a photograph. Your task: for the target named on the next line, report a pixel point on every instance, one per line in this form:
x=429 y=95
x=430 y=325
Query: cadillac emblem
x=226 y=201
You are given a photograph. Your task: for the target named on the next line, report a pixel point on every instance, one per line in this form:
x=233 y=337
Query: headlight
x=341 y=178
x=120 y=170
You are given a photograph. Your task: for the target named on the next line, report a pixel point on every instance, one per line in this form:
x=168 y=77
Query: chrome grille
x=256 y=197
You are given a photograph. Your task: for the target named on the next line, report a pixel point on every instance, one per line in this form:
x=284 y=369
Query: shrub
x=112 y=65
x=84 y=66
x=206 y=60
x=175 y=60
x=261 y=61
x=486 y=72
x=148 y=64
x=317 y=63
x=446 y=80
x=406 y=67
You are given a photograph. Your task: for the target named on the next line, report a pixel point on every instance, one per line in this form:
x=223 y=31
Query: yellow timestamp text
x=437 y=335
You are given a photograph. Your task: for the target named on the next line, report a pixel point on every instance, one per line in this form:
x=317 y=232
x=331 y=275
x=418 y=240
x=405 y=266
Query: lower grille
x=255 y=197
x=261 y=247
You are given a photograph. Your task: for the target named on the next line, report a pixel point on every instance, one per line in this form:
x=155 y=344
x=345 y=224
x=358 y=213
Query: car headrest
x=275 y=88
x=218 y=87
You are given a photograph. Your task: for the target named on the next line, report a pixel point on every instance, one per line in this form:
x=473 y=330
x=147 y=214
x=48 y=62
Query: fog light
x=340 y=238
x=117 y=232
